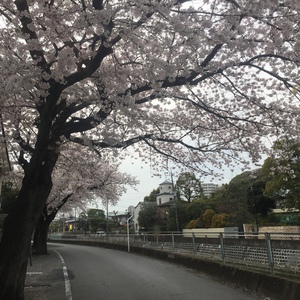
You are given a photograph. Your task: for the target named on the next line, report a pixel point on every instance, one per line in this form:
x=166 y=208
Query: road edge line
x=66 y=277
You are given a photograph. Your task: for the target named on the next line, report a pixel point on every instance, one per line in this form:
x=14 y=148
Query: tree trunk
x=39 y=246
x=19 y=225
x=42 y=227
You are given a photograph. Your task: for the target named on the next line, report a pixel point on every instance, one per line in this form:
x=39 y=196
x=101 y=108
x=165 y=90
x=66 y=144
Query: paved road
x=97 y=273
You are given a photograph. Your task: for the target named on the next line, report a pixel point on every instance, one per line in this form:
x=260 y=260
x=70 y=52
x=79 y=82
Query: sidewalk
x=44 y=279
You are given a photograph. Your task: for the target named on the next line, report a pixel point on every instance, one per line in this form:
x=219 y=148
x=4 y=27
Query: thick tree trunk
x=19 y=225
x=42 y=227
x=15 y=245
x=39 y=246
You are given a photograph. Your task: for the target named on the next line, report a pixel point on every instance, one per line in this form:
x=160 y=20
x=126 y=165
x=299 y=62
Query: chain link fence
x=273 y=253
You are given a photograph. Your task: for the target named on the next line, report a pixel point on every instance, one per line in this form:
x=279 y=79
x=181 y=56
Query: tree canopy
x=188 y=187
x=283 y=170
x=152 y=196
x=121 y=74
x=148 y=216
x=243 y=199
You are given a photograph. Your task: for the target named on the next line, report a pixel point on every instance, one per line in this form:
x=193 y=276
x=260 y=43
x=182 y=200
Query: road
x=98 y=273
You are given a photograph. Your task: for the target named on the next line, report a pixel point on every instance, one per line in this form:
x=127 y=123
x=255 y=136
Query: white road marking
x=66 y=277
x=34 y=273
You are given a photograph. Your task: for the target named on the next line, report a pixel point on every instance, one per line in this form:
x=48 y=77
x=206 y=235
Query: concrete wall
x=280 y=229
x=212 y=232
x=277 y=230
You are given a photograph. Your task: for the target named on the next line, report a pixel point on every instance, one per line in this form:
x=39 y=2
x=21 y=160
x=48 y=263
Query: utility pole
x=107 y=216
x=175 y=205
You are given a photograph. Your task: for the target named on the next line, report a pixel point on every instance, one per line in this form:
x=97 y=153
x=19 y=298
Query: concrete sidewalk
x=45 y=279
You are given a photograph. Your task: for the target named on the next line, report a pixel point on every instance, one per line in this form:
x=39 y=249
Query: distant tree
x=192 y=224
x=152 y=196
x=147 y=216
x=257 y=202
x=196 y=208
x=208 y=217
x=242 y=198
x=82 y=222
x=220 y=220
x=284 y=172
x=96 y=219
x=177 y=216
x=188 y=187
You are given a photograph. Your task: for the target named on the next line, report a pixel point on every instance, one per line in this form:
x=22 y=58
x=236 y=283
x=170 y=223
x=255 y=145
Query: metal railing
x=273 y=253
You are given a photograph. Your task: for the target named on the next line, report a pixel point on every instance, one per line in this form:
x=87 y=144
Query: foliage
x=96 y=219
x=147 y=216
x=219 y=220
x=98 y=82
x=188 y=187
x=243 y=200
x=192 y=224
x=284 y=170
x=208 y=217
x=196 y=208
x=82 y=222
x=257 y=202
x=152 y=196
x=92 y=221
x=84 y=177
x=273 y=220
x=9 y=195
x=231 y=200
x=177 y=216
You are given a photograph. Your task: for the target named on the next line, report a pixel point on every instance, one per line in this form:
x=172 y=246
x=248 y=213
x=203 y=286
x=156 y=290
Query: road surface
x=98 y=273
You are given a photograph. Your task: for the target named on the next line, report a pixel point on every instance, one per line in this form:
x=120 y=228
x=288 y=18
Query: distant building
x=166 y=194
x=209 y=188
x=164 y=199
x=287 y=216
x=119 y=217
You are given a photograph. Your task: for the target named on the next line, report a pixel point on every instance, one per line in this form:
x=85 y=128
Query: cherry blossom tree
x=79 y=178
x=196 y=82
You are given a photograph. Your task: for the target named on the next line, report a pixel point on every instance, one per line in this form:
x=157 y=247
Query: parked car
x=100 y=233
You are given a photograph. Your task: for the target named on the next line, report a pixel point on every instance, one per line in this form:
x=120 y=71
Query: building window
x=159 y=200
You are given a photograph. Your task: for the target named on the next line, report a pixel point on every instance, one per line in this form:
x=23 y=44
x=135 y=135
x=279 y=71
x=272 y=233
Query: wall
x=278 y=231
x=211 y=232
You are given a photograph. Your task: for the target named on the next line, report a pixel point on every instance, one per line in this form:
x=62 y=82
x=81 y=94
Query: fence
x=273 y=253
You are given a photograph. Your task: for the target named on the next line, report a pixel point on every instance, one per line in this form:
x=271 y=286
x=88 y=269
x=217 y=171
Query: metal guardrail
x=273 y=253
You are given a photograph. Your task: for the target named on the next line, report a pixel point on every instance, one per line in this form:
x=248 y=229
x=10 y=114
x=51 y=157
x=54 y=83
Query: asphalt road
x=97 y=273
